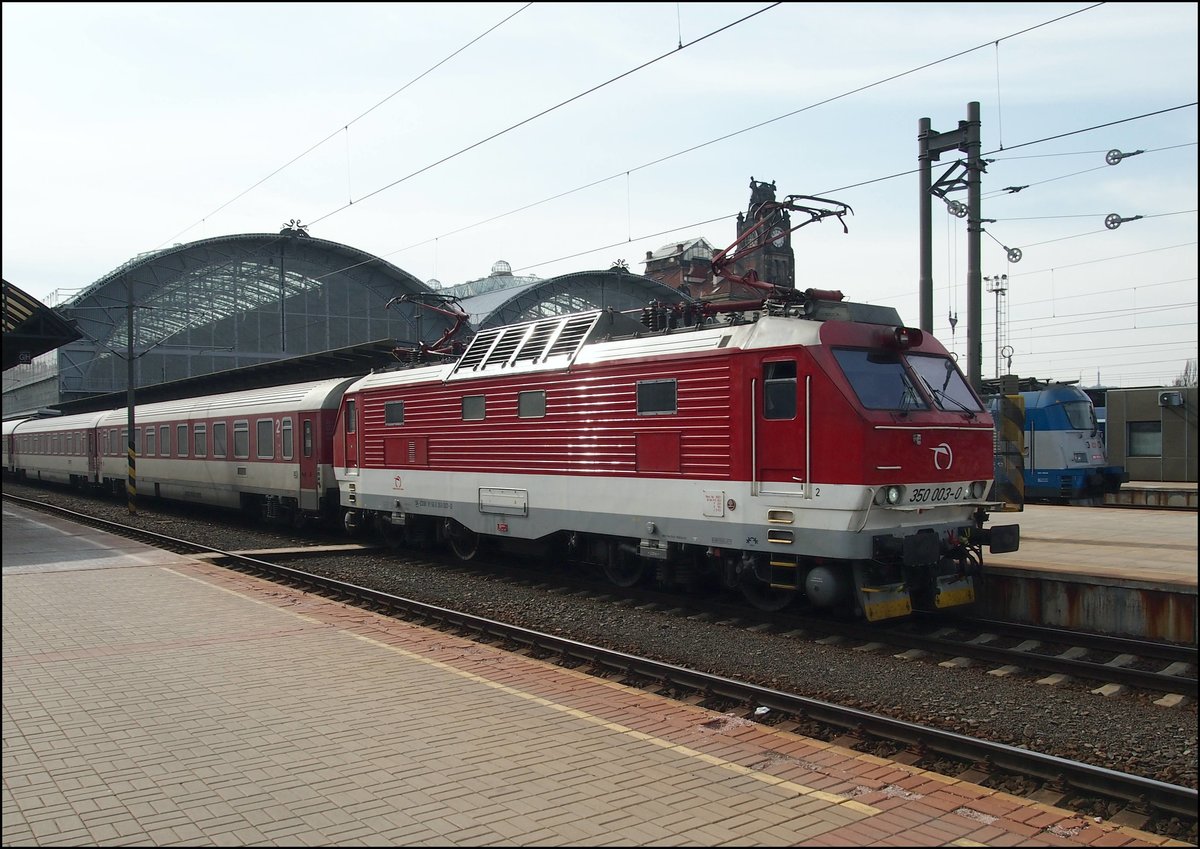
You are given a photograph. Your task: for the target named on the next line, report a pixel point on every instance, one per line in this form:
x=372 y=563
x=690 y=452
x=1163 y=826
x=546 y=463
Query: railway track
x=1107 y=665
x=1070 y=784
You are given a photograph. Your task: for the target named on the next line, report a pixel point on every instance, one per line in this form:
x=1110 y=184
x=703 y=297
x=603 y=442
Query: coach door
x=780 y=429
x=308 y=460
x=91 y=453
x=350 y=434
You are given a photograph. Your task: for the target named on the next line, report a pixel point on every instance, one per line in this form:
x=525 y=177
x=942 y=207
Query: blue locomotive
x=1063 y=451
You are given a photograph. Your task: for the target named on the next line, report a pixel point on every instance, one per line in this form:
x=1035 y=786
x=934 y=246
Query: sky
x=562 y=137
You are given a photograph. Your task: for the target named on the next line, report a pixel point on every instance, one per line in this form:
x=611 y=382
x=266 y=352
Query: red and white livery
x=265 y=450
x=812 y=449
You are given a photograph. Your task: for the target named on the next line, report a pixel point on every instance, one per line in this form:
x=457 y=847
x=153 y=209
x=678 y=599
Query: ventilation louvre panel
x=546 y=343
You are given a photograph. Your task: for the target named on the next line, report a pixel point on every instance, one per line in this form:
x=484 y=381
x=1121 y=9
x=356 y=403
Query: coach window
x=241 y=440
x=1145 y=439
x=656 y=397
x=474 y=408
x=200 y=440
x=308 y=438
x=285 y=437
x=181 y=440
x=531 y=405
x=218 y=439
x=779 y=390
x=164 y=441
x=265 y=432
x=149 y=441
x=393 y=413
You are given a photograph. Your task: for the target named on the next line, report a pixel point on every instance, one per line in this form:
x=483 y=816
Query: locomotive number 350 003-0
x=931 y=495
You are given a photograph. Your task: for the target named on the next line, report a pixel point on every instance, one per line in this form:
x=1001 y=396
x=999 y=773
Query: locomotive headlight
x=978 y=488
x=889 y=495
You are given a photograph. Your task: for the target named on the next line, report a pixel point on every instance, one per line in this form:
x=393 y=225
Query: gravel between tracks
x=1128 y=733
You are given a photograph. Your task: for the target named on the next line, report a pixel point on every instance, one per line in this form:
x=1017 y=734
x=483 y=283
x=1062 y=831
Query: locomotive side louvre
x=665 y=446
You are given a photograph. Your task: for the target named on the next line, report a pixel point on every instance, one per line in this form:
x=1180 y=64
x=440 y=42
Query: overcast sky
x=561 y=137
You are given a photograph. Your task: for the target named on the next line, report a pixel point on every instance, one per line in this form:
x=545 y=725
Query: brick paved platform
x=155 y=699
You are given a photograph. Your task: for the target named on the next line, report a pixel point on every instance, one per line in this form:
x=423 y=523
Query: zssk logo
x=943 y=457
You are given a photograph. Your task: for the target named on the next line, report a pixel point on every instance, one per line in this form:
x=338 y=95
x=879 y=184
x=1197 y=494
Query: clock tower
x=775 y=262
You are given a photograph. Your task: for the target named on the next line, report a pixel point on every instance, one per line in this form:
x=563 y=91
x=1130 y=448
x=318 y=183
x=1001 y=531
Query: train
x=791 y=445
x=811 y=450
x=264 y=451
x=1064 y=455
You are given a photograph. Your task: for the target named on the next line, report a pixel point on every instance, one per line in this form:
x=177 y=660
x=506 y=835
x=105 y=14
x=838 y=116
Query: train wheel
x=464 y=542
x=624 y=569
x=764 y=596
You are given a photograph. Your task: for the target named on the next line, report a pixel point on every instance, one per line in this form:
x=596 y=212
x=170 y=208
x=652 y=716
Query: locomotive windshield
x=880 y=380
x=1080 y=415
x=944 y=382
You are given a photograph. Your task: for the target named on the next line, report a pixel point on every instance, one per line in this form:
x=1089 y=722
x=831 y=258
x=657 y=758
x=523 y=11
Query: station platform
x=1105 y=570
x=156 y=699
x=1156 y=494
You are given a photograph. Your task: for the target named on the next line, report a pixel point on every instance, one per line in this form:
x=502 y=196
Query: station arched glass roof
x=234 y=301
x=616 y=288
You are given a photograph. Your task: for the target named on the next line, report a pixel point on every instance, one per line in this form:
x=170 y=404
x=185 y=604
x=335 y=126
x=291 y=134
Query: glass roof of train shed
x=232 y=302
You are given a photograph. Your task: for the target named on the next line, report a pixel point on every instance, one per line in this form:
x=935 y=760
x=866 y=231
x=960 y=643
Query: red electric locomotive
x=795 y=446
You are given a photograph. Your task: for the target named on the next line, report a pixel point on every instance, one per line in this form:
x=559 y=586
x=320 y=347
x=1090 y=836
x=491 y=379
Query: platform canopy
x=31 y=328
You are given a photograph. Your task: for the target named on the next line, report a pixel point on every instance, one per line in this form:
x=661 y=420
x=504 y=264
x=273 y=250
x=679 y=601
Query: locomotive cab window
x=474 y=408
x=779 y=390
x=657 y=397
x=393 y=413
x=880 y=380
x=531 y=405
